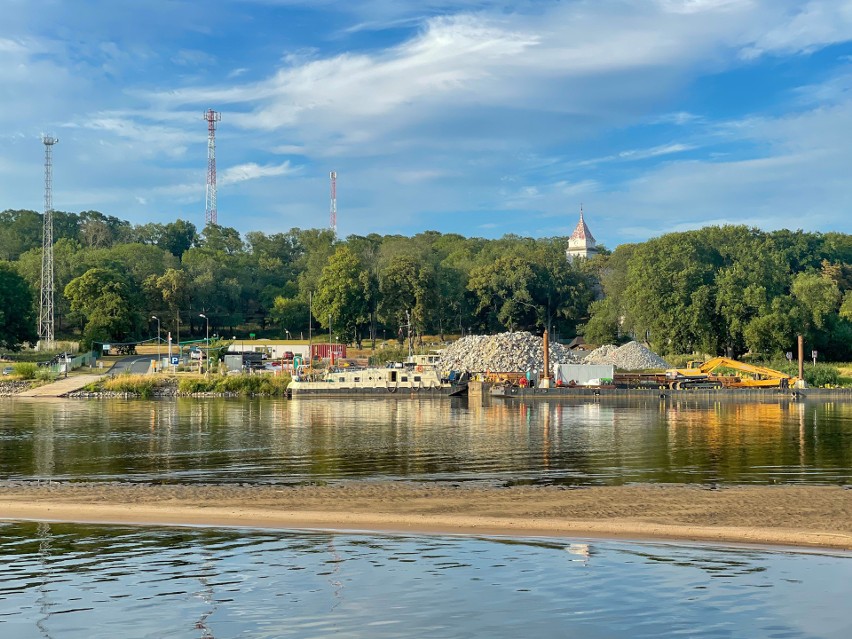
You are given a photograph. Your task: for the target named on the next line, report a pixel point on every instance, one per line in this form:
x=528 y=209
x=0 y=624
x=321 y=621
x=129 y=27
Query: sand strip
x=816 y=516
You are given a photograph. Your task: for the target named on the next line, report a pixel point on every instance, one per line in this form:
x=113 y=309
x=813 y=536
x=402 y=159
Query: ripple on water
x=99 y=581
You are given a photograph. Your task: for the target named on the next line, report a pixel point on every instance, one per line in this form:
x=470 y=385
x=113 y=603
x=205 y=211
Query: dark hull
x=513 y=392
x=385 y=392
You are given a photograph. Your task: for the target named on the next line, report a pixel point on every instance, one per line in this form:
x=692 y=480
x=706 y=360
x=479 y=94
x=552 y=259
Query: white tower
x=582 y=243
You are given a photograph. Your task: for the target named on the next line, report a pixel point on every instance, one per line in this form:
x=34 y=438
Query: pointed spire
x=582 y=232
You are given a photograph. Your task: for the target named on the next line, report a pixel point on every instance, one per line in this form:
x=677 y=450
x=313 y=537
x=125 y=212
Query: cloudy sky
x=482 y=117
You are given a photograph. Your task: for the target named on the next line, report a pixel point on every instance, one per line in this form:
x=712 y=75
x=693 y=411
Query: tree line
x=729 y=291
x=113 y=277
x=718 y=290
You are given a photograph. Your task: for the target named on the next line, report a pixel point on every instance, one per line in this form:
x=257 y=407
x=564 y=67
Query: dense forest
x=717 y=290
x=112 y=277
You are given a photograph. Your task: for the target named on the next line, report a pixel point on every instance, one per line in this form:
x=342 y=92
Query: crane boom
x=704 y=374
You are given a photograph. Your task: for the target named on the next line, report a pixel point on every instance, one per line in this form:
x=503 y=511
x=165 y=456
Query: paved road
x=60 y=387
x=135 y=364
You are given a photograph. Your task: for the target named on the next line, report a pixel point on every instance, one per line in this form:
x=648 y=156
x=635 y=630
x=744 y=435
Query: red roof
x=582 y=231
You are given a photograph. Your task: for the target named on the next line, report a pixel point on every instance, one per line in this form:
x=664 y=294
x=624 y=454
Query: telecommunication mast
x=212 y=118
x=45 y=312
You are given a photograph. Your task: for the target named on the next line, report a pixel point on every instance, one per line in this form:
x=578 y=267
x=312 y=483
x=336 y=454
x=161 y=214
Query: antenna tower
x=333 y=216
x=45 y=313
x=212 y=118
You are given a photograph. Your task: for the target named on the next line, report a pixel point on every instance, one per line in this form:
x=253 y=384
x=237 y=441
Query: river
x=84 y=581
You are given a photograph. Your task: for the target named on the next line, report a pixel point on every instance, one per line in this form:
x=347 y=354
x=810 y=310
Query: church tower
x=582 y=243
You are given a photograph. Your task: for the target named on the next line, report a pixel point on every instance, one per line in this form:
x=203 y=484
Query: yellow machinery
x=703 y=375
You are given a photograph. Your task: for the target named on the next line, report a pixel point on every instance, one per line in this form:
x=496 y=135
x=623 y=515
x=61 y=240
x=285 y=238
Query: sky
x=475 y=117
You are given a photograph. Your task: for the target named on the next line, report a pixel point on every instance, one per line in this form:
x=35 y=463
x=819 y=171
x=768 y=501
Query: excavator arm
x=761 y=377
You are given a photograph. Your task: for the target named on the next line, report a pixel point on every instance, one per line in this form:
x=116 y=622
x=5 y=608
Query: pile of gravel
x=600 y=355
x=521 y=351
x=632 y=356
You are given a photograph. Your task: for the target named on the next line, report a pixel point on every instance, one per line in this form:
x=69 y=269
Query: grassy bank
x=151 y=385
x=243 y=385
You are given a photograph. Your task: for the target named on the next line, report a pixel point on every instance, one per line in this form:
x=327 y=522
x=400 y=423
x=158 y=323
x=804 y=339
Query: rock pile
x=520 y=351
x=9 y=388
x=631 y=357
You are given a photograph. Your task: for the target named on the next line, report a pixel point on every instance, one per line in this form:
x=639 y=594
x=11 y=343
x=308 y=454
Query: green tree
x=340 y=303
x=846 y=306
x=289 y=314
x=20 y=231
x=502 y=289
x=178 y=237
x=818 y=296
x=405 y=288
x=17 y=317
x=103 y=297
x=668 y=293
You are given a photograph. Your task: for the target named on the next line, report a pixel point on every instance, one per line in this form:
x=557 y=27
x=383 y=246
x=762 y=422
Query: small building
x=270 y=348
x=582 y=243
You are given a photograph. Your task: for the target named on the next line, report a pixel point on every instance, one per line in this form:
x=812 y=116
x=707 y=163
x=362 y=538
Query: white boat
x=393 y=379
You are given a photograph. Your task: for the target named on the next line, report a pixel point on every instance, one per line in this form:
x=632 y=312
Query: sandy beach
x=812 y=516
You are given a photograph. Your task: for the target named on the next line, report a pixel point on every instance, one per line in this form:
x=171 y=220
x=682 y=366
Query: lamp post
x=159 y=359
x=206 y=342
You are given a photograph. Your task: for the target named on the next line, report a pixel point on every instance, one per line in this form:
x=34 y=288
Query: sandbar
x=787 y=515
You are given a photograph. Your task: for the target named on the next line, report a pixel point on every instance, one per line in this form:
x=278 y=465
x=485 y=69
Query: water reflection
x=98 y=581
x=276 y=441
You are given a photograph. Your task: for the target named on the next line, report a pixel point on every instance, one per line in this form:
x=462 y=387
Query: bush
x=25 y=370
x=142 y=385
x=245 y=385
x=45 y=374
x=817 y=376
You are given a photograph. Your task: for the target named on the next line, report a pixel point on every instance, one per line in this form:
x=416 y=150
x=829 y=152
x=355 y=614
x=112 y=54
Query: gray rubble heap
x=520 y=351
x=632 y=356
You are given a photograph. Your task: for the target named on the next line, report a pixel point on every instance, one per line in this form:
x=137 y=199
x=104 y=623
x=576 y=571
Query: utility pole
x=45 y=313
x=159 y=359
x=333 y=211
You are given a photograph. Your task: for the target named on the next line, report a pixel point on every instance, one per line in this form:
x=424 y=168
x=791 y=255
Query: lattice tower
x=45 y=313
x=212 y=117
x=333 y=214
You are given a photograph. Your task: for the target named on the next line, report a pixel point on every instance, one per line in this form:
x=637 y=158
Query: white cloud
x=253 y=171
x=535 y=97
x=815 y=23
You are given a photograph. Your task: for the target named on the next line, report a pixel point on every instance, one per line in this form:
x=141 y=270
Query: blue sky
x=469 y=116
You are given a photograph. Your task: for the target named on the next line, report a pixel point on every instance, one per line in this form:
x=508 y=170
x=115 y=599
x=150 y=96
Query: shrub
x=142 y=385
x=44 y=374
x=817 y=376
x=245 y=385
x=25 y=370
x=189 y=385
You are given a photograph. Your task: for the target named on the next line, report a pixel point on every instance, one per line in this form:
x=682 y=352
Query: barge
x=376 y=382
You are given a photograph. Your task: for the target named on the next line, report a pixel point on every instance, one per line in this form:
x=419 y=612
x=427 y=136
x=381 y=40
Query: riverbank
x=812 y=516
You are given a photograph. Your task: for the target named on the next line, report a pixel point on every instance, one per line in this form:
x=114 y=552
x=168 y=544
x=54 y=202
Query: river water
x=85 y=582
x=314 y=440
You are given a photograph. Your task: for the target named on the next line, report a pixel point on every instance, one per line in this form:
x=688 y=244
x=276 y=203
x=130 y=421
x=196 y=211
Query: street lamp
x=159 y=359
x=206 y=342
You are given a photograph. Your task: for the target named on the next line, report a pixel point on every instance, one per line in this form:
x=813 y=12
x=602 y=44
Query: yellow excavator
x=704 y=375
